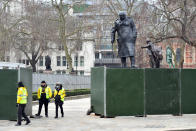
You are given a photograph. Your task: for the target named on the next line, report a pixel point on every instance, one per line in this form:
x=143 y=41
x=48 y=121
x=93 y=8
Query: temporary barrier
x=97 y=92
x=126 y=92
x=26 y=78
x=188 y=91
x=162 y=91
x=8 y=93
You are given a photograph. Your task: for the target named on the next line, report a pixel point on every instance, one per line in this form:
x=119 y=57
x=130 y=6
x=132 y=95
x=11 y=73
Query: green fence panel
x=8 y=80
x=162 y=91
x=124 y=92
x=97 y=90
x=26 y=78
x=188 y=89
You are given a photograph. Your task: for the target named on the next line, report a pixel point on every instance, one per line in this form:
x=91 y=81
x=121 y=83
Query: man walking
x=44 y=94
x=21 y=103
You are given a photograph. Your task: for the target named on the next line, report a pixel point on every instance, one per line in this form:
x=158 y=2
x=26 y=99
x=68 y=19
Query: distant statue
x=48 y=62
x=127 y=34
x=155 y=54
x=169 y=57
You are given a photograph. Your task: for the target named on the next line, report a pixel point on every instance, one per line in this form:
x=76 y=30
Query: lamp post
x=76 y=63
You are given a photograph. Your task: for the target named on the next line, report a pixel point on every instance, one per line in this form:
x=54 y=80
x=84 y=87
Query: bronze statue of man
x=155 y=54
x=127 y=34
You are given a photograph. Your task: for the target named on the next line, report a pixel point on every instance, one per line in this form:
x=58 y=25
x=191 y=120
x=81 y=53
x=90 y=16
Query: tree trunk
x=182 y=56
x=68 y=57
x=63 y=37
x=33 y=65
x=181 y=63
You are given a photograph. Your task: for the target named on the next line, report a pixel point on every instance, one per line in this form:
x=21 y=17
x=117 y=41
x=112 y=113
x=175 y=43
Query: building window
x=27 y=62
x=23 y=61
x=81 y=72
x=8 y=59
x=58 y=61
x=76 y=61
x=178 y=54
x=64 y=61
x=63 y=72
x=19 y=61
x=61 y=47
x=97 y=55
x=79 y=47
x=107 y=55
x=188 y=54
x=81 y=60
x=58 y=72
x=41 y=61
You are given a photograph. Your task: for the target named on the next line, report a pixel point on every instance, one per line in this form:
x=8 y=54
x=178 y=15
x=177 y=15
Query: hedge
x=74 y=92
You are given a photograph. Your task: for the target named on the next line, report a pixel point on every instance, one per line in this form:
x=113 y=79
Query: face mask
x=42 y=85
x=57 y=87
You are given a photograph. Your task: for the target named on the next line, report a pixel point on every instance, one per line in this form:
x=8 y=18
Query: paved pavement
x=76 y=120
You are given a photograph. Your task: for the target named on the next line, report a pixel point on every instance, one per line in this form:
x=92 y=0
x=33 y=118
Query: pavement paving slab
x=76 y=120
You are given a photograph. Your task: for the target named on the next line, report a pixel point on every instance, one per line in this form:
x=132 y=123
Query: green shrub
x=34 y=97
x=74 y=92
x=77 y=92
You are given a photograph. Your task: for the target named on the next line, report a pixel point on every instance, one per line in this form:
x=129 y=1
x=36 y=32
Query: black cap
x=43 y=82
x=20 y=84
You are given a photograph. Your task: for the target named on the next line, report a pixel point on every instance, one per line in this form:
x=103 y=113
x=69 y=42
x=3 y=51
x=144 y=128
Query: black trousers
x=61 y=107
x=21 y=112
x=41 y=103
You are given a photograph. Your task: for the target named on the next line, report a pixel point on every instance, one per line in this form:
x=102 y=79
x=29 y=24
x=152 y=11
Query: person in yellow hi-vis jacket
x=44 y=94
x=59 y=95
x=21 y=103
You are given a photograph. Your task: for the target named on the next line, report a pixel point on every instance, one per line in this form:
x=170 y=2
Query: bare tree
x=7 y=23
x=33 y=35
x=174 y=20
x=69 y=26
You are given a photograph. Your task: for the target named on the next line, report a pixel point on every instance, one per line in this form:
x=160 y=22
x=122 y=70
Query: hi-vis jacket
x=61 y=93
x=47 y=91
x=22 y=95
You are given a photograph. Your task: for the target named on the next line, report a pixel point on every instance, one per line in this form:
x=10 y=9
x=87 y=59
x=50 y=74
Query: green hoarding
x=127 y=92
x=8 y=95
x=97 y=92
x=188 y=91
x=124 y=92
x=162 y=91
x=8 y=80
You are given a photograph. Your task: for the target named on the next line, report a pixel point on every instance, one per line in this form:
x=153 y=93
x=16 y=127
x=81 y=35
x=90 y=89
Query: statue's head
x=122 y=15
x=148 y=40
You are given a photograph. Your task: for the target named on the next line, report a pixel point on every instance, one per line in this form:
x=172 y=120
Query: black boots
x=18 y=124
x=62 y=115
x=28 y=122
